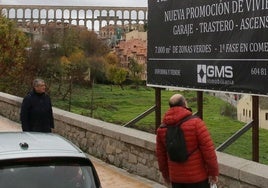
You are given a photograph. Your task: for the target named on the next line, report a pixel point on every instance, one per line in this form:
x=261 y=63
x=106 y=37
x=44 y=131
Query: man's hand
x=213 y=179
x=166 y=178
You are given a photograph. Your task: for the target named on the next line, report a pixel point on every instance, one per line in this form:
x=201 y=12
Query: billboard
x=219 y=45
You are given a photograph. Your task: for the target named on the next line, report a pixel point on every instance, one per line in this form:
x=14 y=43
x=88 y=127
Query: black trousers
x=203 y=184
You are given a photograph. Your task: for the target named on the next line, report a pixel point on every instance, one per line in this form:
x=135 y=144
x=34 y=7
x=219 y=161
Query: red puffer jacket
x=201 y=163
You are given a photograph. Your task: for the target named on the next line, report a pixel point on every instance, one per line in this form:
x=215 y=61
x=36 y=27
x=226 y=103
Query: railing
x=234 y=137
x=253 y=124
x=139 y=117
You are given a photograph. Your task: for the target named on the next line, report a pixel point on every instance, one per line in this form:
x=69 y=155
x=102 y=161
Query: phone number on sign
x=258 y=71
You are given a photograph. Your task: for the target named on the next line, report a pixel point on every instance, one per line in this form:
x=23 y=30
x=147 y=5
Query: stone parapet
x=132 y=149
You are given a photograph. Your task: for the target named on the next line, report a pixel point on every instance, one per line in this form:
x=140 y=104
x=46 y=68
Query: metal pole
x=255 y=128
x=235 y=136
x=70 y=90
x=158 y=108
x=92 y=99
x=200 y=104
x=139 y=117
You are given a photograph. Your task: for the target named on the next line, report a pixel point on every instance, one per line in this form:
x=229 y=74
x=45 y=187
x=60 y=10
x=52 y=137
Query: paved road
x=110 y=176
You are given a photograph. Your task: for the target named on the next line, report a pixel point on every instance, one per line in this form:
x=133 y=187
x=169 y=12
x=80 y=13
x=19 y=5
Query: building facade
x=244 y=110
x=135 y=47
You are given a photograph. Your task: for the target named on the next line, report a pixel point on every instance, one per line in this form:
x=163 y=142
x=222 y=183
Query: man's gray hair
x=37 y=82
x=177 y=100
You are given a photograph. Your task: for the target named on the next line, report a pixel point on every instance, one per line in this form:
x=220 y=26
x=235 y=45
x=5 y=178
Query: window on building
x=243 y=112
x=249 y=113
x=266 y=116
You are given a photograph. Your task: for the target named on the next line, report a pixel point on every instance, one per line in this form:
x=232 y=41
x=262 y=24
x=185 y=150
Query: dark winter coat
x=36 y=113
x=201 y=163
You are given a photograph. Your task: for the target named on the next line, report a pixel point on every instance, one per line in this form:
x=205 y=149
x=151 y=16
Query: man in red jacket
x=201 y=168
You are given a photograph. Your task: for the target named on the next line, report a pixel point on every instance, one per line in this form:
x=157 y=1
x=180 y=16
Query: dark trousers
x=203 y=184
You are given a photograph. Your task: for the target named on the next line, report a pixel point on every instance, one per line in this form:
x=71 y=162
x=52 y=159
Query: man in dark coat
x=36 y=111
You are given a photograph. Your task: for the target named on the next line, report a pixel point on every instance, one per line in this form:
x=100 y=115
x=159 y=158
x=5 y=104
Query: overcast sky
x=120 y=3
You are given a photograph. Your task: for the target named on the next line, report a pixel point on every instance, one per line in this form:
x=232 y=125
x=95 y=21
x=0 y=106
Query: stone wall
x=132 y=149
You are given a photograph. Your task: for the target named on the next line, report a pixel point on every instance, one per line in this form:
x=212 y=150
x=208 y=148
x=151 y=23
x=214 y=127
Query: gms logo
x=212 y=74
x=201 y=74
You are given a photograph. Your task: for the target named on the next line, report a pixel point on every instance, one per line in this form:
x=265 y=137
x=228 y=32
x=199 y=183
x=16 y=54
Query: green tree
x=145 y=27
x=91 y=45
x=80 y=66
x=53 y=36
x=136 y=71
x=74 y=69
x=13 y=45
x=70 y=41
x=41 y=62
x=21 y=62
x=36 y=63
x=115 y=73
x=112 y=59
x=97 y=68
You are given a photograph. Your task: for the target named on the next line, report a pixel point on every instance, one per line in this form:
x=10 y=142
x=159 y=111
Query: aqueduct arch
x=92 y=17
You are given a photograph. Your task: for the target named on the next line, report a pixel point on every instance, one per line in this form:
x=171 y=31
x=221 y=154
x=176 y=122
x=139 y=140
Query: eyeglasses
x=41 y=85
